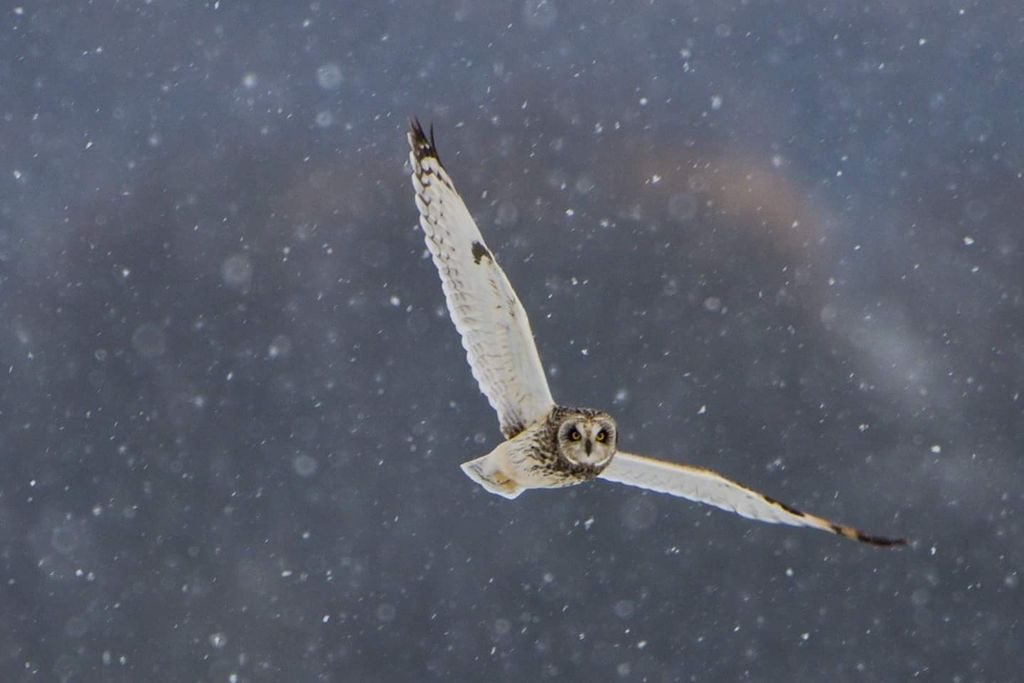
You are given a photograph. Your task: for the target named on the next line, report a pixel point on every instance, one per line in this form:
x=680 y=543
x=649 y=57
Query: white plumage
x=484 y=307
x=548 y=446
x=704 y=486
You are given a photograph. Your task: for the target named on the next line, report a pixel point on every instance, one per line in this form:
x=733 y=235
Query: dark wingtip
x=422 y=146
x=881 y=541
x=857 y=535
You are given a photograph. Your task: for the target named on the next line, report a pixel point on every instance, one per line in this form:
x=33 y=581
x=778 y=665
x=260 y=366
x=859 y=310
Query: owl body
x=568 y=446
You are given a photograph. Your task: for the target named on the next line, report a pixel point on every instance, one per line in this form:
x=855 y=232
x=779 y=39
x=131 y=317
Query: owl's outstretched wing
x=485 y=309
x=705 y=486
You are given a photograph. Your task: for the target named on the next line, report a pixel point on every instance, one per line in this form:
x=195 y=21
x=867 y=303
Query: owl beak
x=589 y=446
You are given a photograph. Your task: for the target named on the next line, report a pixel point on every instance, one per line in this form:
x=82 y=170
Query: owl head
x=586 y=440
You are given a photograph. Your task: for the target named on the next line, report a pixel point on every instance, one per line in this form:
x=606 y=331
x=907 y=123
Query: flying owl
x=548 y=445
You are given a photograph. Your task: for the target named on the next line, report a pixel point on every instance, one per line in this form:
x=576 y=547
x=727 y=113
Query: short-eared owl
x=547 y=445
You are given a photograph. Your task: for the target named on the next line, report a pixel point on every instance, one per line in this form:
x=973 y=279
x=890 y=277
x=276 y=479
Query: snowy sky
x=781 y=240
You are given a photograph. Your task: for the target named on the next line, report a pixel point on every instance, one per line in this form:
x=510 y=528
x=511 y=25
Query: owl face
x=587 y=440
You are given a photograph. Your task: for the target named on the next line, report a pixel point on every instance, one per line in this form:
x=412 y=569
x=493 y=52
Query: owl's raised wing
x=485 y=309
x=705 y=486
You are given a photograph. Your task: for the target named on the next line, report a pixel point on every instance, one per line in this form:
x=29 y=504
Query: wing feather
x=485 y=309
x=704 y=486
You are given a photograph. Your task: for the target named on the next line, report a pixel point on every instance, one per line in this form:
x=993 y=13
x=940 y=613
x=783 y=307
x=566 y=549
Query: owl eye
x=575 y=435
x=602 y=436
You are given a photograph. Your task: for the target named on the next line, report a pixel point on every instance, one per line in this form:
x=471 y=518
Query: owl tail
x=486 y=471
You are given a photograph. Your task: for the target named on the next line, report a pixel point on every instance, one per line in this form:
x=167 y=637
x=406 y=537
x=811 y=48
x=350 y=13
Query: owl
x=548 y=445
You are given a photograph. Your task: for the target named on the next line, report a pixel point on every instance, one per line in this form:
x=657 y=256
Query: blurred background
x=781 y=240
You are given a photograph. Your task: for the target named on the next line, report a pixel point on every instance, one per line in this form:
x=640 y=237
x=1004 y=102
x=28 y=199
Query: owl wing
x=485 y=309
x=705 y=486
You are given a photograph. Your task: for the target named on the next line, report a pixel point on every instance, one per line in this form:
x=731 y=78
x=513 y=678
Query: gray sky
x=781 y=240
